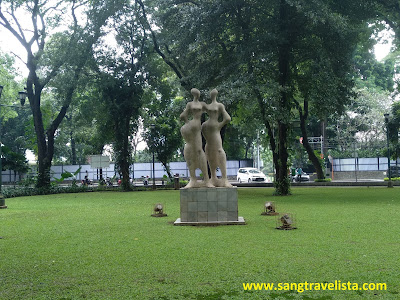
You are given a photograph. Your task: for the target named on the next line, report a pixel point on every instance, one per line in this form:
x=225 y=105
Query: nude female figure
x=191 y=132
x=211 y=130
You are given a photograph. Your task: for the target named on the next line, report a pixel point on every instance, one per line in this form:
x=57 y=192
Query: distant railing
x=137 y=170
x=362 y=164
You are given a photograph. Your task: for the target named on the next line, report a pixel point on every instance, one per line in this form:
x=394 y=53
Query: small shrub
x=66 y=175
x=323 y=180
x=393 y=179
x=183 y=182
x=27 y=181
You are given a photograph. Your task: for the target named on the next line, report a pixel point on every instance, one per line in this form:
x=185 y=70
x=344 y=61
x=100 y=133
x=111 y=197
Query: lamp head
x=386 y=117
x=22 y=96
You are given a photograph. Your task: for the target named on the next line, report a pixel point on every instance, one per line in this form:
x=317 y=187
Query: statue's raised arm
x=226 y=118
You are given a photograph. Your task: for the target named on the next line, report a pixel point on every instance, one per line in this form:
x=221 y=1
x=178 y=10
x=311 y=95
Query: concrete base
x=159 y=215
x=269 y=214
x=2 y=201
x=209 y=206
x=240 y=221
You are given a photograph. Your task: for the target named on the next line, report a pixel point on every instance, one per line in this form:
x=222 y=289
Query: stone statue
x=211 y=131
x=191 y=132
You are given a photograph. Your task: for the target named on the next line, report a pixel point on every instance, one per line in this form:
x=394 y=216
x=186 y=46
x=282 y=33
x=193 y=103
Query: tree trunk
x=34 y=90
x=282 y=185
x=311 y=155
x=73 y=149
x=125 y=184
x=124 y=155
x=246 y=154
x=270 y=132
x=167 y=169
x=272 y=144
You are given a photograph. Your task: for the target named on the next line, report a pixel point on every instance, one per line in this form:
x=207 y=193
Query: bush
x=183 y=182
x=54 y=188
x=27 y=181
x=32 y=191
x=393 y=179
x=323 y=180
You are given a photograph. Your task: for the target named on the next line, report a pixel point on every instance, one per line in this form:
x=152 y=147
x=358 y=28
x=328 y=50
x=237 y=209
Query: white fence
x=137 y=170
x=362 y=164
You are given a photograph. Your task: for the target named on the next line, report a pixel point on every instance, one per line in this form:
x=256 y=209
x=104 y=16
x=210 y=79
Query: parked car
x=250 y=175
x=304 y=177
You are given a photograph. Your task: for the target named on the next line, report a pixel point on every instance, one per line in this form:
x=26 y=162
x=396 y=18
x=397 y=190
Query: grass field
x=106 y=246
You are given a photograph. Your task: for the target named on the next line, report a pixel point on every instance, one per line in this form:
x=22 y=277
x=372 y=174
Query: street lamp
x=2 y=200
x=390 y=183
x=22 y=96
x=153 y=126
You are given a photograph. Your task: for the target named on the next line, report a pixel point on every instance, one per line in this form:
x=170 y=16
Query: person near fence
x=299 y=173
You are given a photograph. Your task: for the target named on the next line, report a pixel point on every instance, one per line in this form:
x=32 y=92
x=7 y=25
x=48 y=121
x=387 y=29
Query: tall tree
x=123 y=102
x=49 y=57
x=122 y=75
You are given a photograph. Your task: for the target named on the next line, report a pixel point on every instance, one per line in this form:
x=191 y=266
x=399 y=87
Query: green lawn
x=105 y=245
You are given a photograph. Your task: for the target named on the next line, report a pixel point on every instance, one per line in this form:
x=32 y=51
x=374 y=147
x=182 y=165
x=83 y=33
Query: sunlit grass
x=106 y=246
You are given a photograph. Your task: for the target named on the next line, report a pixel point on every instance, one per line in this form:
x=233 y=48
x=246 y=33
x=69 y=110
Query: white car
x=304 y=177
x=250 y=175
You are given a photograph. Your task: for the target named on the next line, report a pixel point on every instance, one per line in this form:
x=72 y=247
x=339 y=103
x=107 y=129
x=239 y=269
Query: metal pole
x=258 y=150
x=355 y=161
x=390 y=183
x=323 y=136
x=154 y=174
x=2 y=200
x=322 y=145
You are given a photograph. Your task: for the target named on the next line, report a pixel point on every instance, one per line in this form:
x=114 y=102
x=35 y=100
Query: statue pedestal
x=209 y=206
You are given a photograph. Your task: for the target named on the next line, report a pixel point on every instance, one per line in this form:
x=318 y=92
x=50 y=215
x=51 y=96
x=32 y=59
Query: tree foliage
x=13 y=161
x=163 y=104
x=279 y=52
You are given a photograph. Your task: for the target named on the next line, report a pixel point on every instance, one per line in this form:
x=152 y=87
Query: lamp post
x=153 y=126
x=22 y=97
x=2 y=200
x=390 y=183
